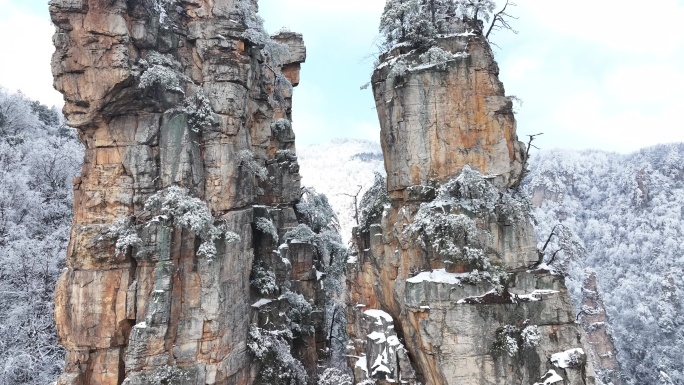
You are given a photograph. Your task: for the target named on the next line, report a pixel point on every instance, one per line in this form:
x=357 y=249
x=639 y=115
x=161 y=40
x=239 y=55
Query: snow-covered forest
x=627 y=211
x=39 y=157
x=343 y=177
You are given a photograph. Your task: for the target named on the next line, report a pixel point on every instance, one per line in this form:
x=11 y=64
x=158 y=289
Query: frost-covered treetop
x=416 y=23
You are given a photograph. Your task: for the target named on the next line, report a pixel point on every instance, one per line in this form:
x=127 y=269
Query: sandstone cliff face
x=188 y=187
x=436 y=121
x=449 y=265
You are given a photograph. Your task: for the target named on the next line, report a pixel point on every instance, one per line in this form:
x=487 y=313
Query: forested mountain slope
x=627 y=211
x=38 y=159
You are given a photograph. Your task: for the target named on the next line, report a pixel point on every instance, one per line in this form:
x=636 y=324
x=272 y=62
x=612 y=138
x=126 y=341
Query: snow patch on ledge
x=544 y=268
x=379 y=315
x=537 y=295
x=462 y=34
x=377 y=337
x=476 y=298
x=362 y=364
x=261 y=302
x=439 y=276
x=551 y=377
x=567 y=359
x=420 y=67
x=493 y=297
x=394 y=341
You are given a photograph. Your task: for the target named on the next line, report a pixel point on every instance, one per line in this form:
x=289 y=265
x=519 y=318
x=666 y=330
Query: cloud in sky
x=26 y=47
x=592 y=74
x=597 y=74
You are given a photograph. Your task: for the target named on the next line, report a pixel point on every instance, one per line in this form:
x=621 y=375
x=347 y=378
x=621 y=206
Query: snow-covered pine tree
x=397 y=20
x=440 y=13
x=415 y=22
x=475 y=12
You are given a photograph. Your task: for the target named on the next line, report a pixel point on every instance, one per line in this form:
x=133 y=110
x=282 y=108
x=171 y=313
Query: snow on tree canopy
x=417 y=23
x=39 y=157
x=626 y=211
x=447 y=227
x=179 y=209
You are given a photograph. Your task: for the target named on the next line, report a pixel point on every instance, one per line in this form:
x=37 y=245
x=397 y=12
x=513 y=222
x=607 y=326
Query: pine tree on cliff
x=439 y=12
x=474 y=13
x=414 y=22
x=417 y=22
x=397 y=20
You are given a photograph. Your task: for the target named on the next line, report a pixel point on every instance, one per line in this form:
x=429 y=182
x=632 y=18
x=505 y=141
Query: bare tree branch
x=525 y=171
x=553 y=232
x=500 y=21
x=356 y=203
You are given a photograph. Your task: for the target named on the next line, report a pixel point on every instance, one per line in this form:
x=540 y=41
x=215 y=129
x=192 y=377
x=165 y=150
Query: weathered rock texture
x=434 y=122
x=435 y=119
x=176 y=93
x=594 y=321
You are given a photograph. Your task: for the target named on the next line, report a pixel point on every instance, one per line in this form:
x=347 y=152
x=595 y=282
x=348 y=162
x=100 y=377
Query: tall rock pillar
x=594 y=321
x=447 y=287
x=190 y=173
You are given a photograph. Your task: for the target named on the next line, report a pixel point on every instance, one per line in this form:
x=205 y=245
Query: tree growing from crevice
x=373 y=203
x=416 y=23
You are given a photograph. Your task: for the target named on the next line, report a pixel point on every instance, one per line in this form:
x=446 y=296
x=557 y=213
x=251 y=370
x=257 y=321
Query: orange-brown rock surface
x=436 y=121
x=446 y=287
x=188 y=102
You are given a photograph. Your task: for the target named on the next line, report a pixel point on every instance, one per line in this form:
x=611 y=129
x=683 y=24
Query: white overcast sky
x=606 y=74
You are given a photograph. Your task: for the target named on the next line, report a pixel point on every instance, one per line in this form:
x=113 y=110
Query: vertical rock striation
x=594 y=321
x=190 y=178
x=451 y=263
